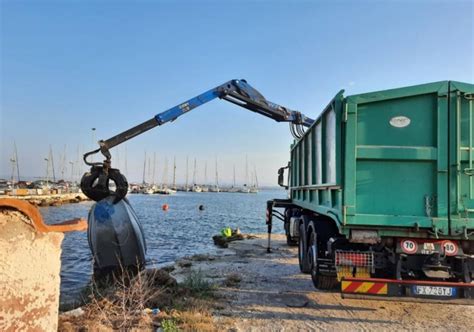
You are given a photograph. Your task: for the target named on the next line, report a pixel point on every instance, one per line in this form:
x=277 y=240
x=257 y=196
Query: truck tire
x=302 y=252
x=291 y=241
x=320 y=281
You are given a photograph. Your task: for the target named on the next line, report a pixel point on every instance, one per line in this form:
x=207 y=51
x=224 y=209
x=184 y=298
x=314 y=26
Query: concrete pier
x=50 y=199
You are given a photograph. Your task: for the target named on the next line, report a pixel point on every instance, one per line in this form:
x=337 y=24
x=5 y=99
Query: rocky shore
x=251 y=290
x=51 y=200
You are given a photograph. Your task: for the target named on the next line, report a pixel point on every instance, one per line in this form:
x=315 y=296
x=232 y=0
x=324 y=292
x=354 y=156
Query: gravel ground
x=266 y=292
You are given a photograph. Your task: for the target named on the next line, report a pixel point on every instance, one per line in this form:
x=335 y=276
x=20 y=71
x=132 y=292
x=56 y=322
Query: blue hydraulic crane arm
x=95 y=184
x=238 y=92
x=242 y=94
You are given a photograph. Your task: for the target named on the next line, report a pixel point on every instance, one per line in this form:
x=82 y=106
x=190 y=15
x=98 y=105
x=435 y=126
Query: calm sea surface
x=181 y=231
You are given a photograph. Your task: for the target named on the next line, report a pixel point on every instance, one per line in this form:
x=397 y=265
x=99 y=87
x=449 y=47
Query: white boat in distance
x=214 y=189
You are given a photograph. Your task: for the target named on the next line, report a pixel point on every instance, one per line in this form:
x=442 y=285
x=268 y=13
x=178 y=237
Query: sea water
x=182 y=230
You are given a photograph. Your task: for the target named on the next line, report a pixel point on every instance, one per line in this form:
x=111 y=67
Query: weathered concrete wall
x=29 y=275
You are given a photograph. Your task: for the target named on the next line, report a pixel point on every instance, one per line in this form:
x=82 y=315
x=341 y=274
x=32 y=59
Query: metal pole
x=187 y=172
x=17 y=163
x=72 y=171
x=93 y=142
x=47 y=171
x=144 y=168
x=174 y=173
x=52 y=162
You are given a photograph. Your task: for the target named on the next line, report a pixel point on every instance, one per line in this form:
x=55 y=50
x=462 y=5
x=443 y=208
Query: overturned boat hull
x=115 y=235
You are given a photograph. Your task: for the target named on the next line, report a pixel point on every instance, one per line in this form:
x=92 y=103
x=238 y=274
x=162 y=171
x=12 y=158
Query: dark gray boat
x=115 y=235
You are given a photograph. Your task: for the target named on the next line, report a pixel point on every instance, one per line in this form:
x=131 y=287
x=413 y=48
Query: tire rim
x=313 y=261
x=301 y=251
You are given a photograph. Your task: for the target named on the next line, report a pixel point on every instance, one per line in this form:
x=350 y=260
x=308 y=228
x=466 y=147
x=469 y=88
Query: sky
x=70 y=66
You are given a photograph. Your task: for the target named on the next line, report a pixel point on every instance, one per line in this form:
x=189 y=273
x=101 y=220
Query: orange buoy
x=165 y=207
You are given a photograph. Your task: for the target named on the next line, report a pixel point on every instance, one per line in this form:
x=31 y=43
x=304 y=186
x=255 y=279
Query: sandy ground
x=274 y=296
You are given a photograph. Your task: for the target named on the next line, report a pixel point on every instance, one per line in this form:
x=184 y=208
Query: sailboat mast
x=205 y=173
x=256 y=179
x=154 y=167
x=149 y=170
x=144 y=169
x=174 y=172
x=164 y=182
x=63 y=163
x=13 y=161
x=194 y=173
x=17 y=163
x=217 y=175
x=233 y=186
x=246 y=171
x=52 y=162
x=187 y=171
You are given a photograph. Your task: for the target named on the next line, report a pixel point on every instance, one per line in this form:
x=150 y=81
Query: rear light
x=354 y=258
x=357 y=264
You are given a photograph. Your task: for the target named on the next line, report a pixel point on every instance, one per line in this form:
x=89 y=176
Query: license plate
x=434 y=291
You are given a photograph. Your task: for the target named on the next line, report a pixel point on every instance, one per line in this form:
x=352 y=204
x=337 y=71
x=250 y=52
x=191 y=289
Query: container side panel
x=396 y=160
x=461 y=158
x=331 y=147
x=409 y=121
x=317 y=160
x=389 y=187
x=400 y=160
x=319 y=155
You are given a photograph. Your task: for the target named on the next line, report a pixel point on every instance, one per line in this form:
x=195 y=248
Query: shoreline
x=50 y=199
x=266 y=292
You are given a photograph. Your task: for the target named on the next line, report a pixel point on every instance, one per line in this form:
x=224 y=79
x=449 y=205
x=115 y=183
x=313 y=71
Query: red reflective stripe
x=352 y=287
x=411 y=282
x=376 y=288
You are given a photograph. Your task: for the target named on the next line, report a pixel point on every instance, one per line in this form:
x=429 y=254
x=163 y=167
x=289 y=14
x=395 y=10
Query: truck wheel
x=291 y=241
x=302 y=256
x=322 y=282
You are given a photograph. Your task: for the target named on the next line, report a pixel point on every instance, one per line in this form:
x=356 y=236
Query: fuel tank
x=115 y=235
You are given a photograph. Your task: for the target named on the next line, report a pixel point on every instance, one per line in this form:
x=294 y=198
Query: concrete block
x=29 y=267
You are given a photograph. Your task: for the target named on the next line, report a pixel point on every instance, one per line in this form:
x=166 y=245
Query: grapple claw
x=95 y=184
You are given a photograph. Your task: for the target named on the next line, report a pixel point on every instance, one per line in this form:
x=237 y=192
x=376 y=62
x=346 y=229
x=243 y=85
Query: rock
x=160 y=278
x=74 y=313
x=184 y=263
x=220 y=241
x=223 y=242
x=201 y=257
x=169 y=268
x=232 y=280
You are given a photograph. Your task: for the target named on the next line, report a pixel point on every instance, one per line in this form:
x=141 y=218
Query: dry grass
x=119 y=303
x=232 y=280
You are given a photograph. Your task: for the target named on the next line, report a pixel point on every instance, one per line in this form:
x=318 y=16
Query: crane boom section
x=238 y=92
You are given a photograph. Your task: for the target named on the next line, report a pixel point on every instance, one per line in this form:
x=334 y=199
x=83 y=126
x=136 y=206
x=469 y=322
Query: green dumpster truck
x=381 y=193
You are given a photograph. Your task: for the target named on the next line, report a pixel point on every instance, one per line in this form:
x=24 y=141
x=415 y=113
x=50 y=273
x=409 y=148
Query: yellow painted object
x=348 y=272
x=364 y=287
x=226 y=232
x=21 y=192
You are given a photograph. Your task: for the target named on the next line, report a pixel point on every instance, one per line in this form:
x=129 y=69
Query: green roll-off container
x=400 y=160
x=382 y=186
